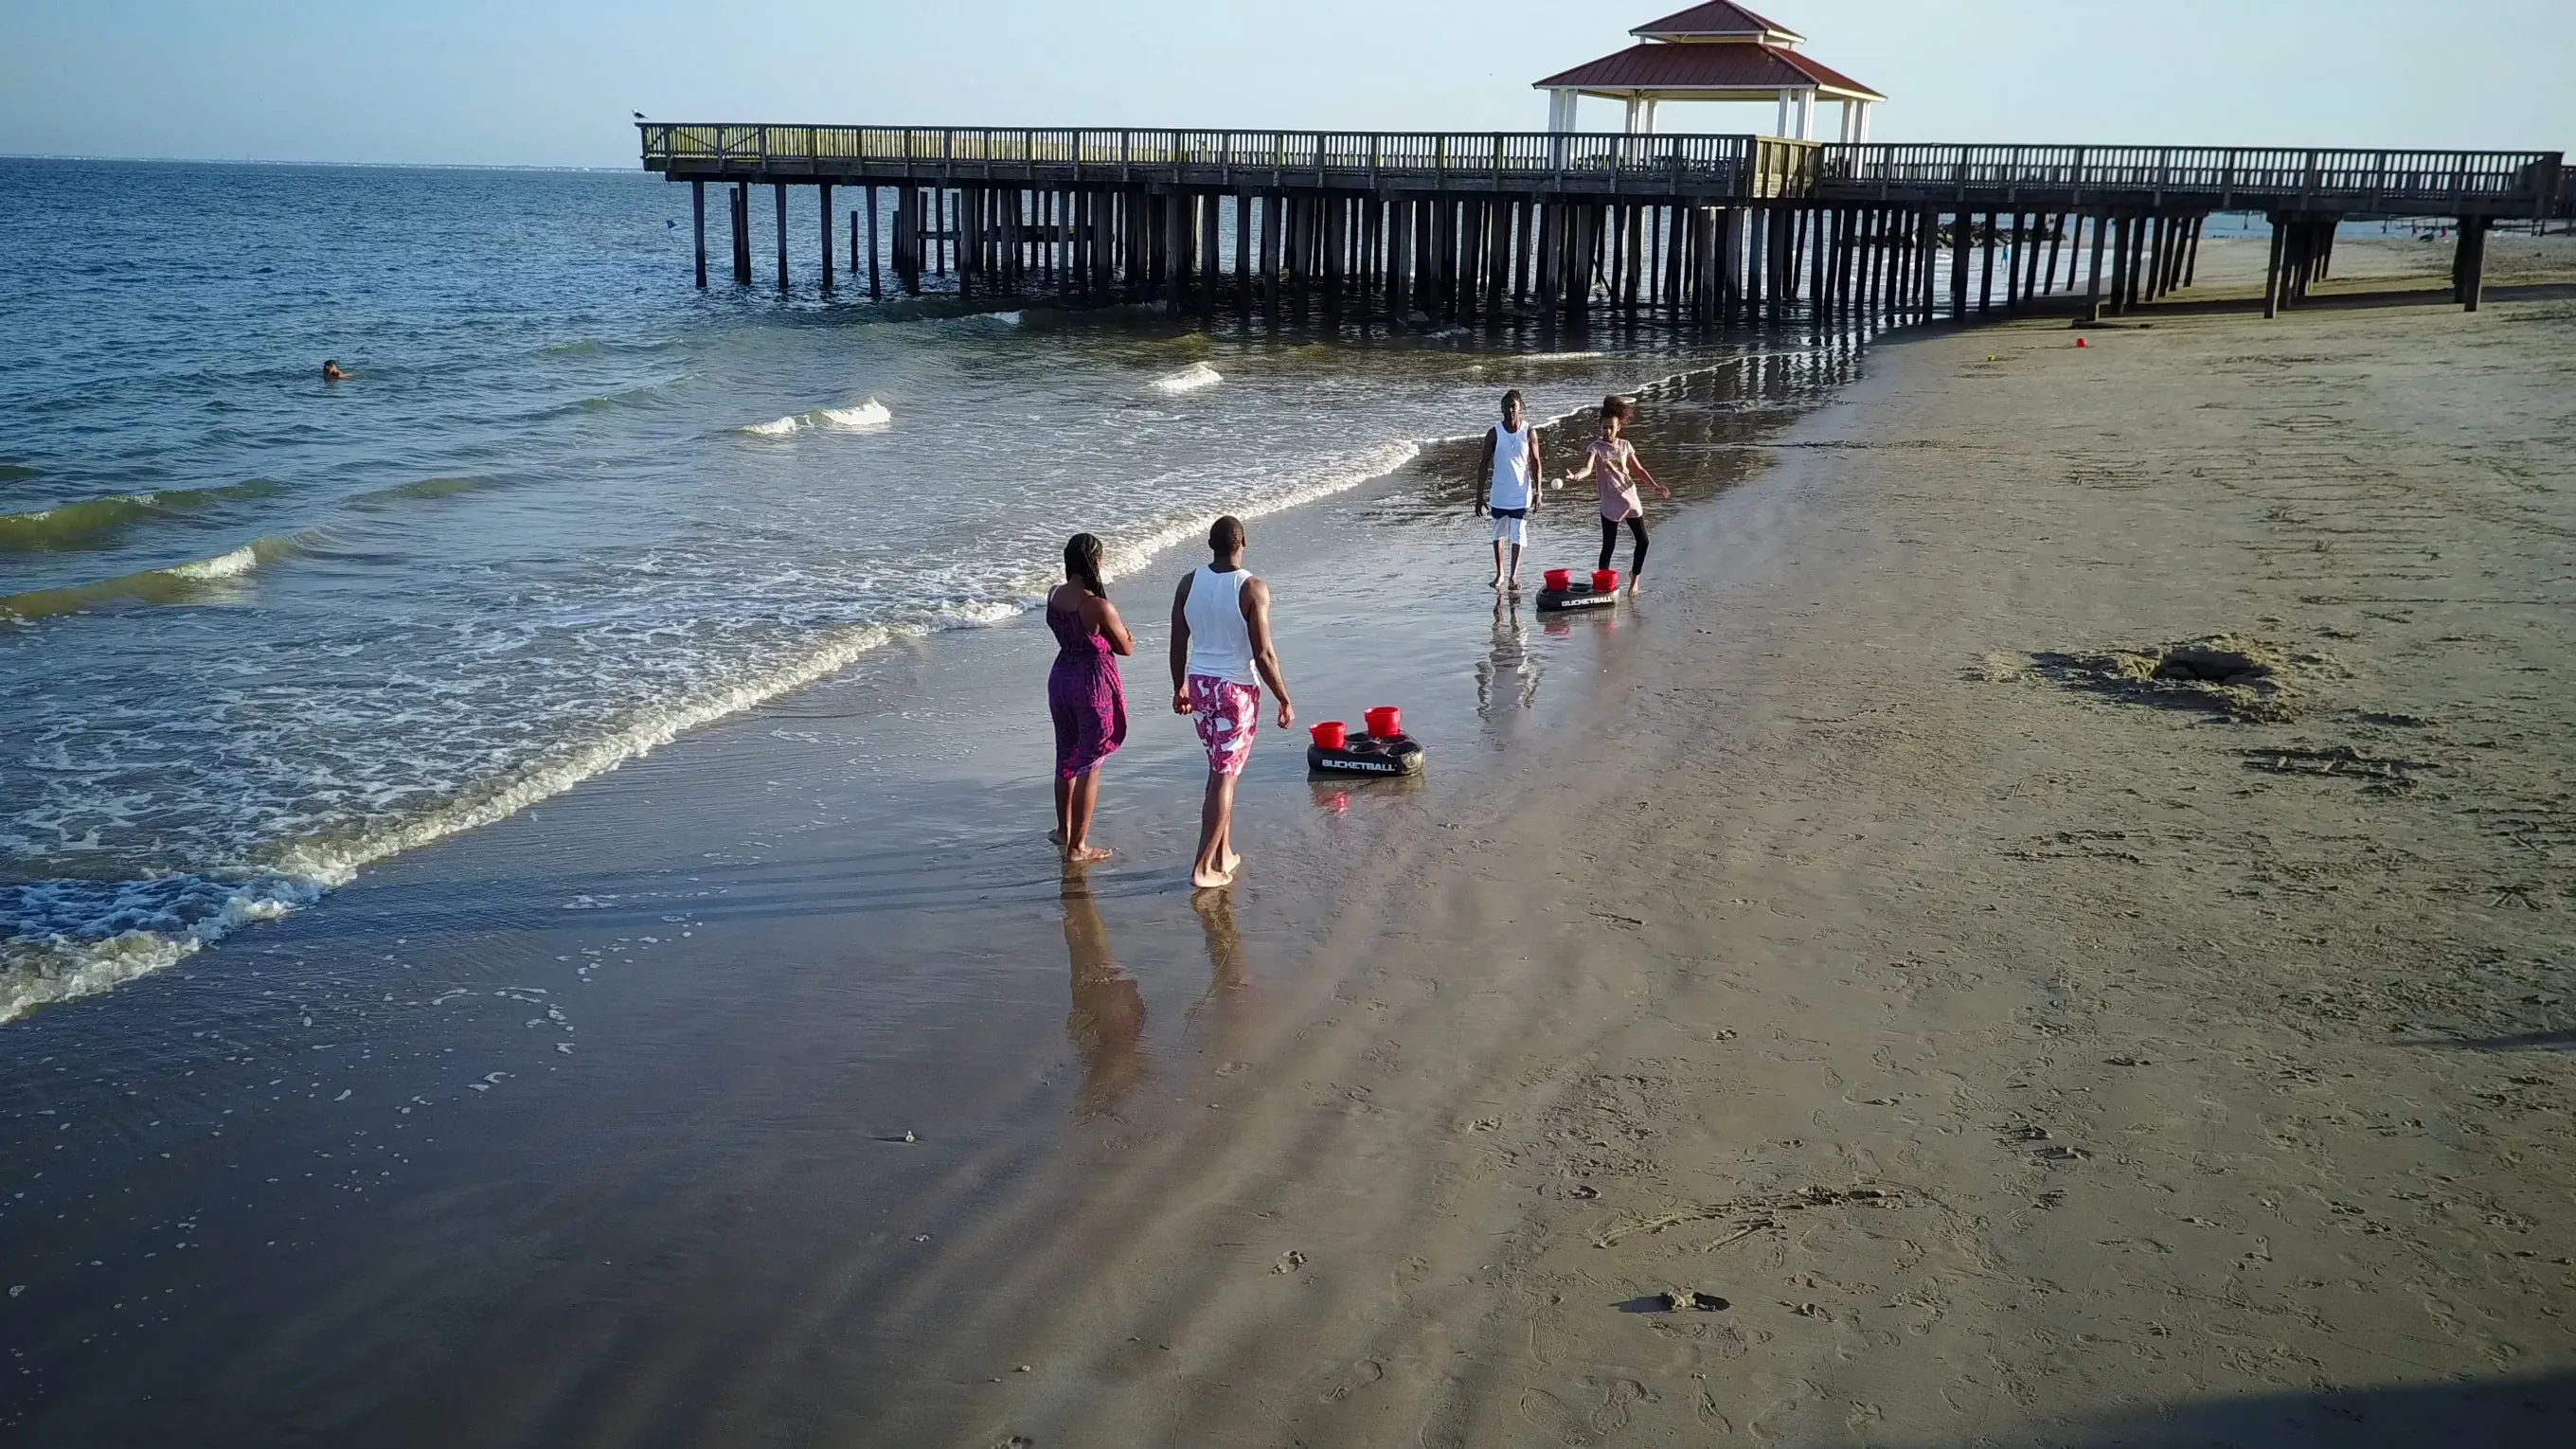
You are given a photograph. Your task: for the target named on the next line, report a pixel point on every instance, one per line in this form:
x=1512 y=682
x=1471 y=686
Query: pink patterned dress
x=1084 y=695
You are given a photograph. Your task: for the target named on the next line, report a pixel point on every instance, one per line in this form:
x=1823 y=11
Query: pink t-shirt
x=1610 y=471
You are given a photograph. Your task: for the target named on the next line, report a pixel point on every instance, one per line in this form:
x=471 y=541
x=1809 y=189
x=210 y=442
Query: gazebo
x=1713 y=52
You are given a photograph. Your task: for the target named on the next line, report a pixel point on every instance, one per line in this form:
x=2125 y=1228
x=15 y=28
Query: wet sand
x=2022 y=1032
x=2231 y=268
x=2024 y=1048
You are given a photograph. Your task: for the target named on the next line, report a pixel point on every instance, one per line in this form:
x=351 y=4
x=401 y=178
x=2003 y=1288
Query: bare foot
x=1085 y=854
x=1233 y=863
x=1495 y=582
x=1055 y=837
x=1208 y=880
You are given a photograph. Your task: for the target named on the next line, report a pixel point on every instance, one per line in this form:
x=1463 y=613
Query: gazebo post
x=1560 y=114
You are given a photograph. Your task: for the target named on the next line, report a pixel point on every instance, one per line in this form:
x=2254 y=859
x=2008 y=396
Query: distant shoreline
x=624 y=170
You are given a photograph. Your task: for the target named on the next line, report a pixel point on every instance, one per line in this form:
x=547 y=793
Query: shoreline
x=2025 y=1050
x=297 y=876
x=452 y=994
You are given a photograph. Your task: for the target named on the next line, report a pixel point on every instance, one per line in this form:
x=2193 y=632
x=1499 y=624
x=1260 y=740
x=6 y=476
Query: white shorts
x=1511 y=530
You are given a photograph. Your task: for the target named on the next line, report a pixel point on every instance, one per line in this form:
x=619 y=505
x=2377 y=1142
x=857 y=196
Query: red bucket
x=1330 y=735
x=1560 y=580
x=1385 y=721
x=1605 y=581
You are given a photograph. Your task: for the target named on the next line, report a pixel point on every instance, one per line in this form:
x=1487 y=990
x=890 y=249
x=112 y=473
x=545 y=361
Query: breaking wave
x=1189 y=379
x=177 y=584
x=93 y=522
x=67 y=938
x=424 y=488
x=866 y=416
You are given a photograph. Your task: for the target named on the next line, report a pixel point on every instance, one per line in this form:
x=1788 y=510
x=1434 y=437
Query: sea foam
x=65 y=939
x=865 y=416
x=222 y=566
x=1189 y=379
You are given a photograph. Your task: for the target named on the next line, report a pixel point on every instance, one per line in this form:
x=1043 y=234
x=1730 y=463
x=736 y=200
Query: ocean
x=259 y=631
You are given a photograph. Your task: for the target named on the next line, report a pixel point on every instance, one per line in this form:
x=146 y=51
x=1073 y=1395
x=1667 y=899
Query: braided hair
x=1082 y=563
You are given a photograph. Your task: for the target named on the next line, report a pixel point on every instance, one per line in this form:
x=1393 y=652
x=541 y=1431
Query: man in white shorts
x=1508 y=475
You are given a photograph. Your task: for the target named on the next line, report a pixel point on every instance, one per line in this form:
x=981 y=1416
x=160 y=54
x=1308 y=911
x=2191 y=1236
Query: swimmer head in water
x=331 y=370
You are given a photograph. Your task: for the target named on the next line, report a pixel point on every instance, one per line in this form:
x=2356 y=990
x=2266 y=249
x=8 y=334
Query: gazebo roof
x=1690 y=72
x=1718 y=21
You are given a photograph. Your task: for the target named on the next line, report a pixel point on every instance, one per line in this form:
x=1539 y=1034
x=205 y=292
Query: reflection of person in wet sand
x=1507 y=673
x=1222 y=1011
x=1107 y=1021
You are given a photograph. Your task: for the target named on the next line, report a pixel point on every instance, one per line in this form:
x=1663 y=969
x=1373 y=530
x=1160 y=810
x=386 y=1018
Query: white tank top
x=1511 y=480
x=1220 y=640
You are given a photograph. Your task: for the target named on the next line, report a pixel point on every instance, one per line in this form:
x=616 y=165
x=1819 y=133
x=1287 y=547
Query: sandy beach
x=2030 y=1032
x=2046 y=924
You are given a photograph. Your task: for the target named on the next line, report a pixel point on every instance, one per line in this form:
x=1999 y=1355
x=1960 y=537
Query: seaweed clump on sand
x=2226 y=676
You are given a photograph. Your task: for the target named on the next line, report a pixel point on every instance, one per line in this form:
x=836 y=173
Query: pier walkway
x=1703 y=229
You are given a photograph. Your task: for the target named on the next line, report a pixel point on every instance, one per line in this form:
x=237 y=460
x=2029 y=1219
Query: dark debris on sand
x=2225 y=676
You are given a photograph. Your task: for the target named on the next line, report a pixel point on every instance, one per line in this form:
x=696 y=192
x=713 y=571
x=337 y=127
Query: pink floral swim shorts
x=1227 y=715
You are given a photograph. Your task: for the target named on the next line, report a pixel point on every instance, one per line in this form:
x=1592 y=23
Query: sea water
x=258 y=630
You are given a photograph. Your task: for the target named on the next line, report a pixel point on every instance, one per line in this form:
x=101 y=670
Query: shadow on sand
x=2536 y=1412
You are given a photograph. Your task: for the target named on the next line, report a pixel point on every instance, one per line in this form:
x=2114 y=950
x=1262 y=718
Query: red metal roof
x=1714 y=18
x=1652 y=67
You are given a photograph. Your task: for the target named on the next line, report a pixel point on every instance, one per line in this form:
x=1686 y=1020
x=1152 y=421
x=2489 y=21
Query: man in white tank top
x=1221 y=655
x=1508 y=477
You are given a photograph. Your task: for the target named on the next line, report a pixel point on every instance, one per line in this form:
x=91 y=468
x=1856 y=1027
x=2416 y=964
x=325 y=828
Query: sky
x=552 y=82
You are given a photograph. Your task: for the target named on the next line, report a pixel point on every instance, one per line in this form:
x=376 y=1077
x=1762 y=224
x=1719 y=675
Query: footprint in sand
x=1784 y=1418
x=1705 y=1409
x=1554 y=1417
x=1359 y=1376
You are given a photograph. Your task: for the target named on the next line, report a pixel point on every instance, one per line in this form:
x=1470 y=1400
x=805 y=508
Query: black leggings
x=1610 y=540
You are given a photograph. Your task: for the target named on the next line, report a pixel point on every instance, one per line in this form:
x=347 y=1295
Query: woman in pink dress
x=1084 y=693
x=1616 y=465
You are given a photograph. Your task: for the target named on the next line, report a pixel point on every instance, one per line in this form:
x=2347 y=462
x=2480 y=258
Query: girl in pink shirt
x=1615 y=464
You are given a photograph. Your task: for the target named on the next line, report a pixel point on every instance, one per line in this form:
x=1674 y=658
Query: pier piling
x=823 y=219
x=741 y=207
x=2469 y=263
x=876 y=290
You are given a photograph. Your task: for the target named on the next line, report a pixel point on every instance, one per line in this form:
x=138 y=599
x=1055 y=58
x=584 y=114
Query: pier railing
x=2313 y=179
x=1751 y=166
x=1703 y=168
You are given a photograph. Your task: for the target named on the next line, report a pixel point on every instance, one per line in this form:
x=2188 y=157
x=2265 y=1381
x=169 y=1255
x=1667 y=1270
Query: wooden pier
x=1693 y=230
